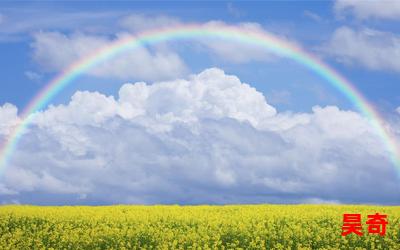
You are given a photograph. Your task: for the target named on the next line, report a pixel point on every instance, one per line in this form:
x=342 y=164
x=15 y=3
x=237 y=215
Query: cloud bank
x=370 y=48
x=207 y=139
x=55 y=51
x=368 y=9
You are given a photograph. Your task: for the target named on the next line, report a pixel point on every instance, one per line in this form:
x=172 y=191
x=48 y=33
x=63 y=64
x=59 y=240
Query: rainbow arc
x=196 y=31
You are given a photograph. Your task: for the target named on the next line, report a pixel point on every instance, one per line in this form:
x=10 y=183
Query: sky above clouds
x=205 y=120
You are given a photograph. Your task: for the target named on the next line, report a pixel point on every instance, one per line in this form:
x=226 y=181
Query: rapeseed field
x=192 y=227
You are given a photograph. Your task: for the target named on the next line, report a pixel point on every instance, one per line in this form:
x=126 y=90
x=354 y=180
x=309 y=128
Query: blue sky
x=289 y=106
x=310 y=23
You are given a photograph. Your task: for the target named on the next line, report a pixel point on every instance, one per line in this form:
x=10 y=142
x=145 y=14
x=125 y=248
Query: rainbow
x=196 y=31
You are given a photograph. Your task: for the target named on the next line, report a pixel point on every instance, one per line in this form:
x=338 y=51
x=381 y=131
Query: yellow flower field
x=191 y=227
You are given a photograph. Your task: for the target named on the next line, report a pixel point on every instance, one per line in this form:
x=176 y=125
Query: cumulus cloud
x=56 y=51
x=370 y=48
x=8 y=118
x=207 y=139
x=368 y=9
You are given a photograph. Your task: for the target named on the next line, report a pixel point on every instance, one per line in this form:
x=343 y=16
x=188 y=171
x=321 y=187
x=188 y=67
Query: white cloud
x=209 y=95
x=33 y=76
x=234 y=11
x=140 y=22
x=6 y=191
x=207 y=139
x=369 y=9
x=8 y=118
x=371 y=48
x=55 y=51
x=228 y=50
x=239 y=52
x=398 y=110
x=313 y=16
x=21 y=22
